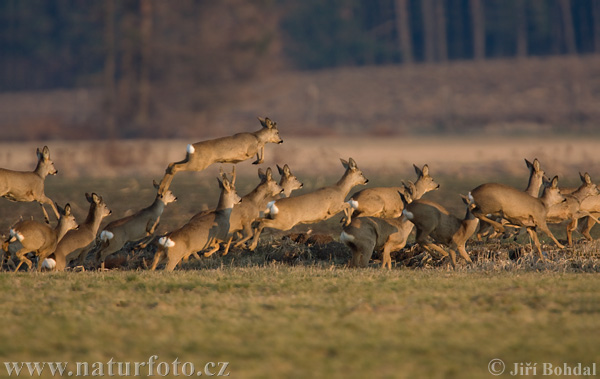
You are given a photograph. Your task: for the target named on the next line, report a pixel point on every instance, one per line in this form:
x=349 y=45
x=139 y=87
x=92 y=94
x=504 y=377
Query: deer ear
x=154 y=184
x=425 y=170
x=46 y=152
x=97 y=199
x=67 y=209
x=536 y=164
x=345 y=163
x=352 y=163
x=269 y=174
x=88 y=197
x=555 y=182
x=281 y=170
x=38 y=153
x=418 y=170
x=587 y=178
x=261 y=174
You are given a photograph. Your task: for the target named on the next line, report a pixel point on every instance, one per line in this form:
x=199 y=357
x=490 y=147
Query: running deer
x=364 y=235
x=433 y=220
x=312 y=207
x=573 y=208
x=75 y=244
x=203 y=231
x=591 y=205
x=244 y=213
x=385 y=201
x=518 y=207
x=536 y=179
x=39 y=238
x=29 y=186
x=136 y=227
x=231 y=149
x=288 y=181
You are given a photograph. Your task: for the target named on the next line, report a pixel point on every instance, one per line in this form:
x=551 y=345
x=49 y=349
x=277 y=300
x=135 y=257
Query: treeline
x=166 y=58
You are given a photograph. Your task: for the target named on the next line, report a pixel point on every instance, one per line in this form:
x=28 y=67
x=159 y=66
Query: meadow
x=294 y=309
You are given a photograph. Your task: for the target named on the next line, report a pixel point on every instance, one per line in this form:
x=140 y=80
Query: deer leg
x=387 y=257
x=21 y=254
x=545 y=229
x=257 y=233
x=496 y=225
x=463 y=253
x=213 y=250
x=260 y=156
x=536 y=241
x=227 y=246
x=586 y=226
x=570 y=228
x=158 y=257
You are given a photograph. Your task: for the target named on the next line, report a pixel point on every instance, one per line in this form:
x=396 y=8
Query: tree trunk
x=428 y=13
x=478 y=22
x=110 y=122
x=403 y=30
x=568 y=29
x=442 y=45
x=522 y=45
x=144 y=83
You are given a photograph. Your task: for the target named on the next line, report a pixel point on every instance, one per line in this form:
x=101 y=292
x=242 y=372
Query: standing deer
x=312 y=207
x=231 y=149
x=364 y=235
x=433 y=220
x=75 y=244
x=385 y=201
x=29 y=186
x=249 y=209
x=135 y=227
x=37 y=237
x=573 y=207
x=203 y=231
x=518 y=207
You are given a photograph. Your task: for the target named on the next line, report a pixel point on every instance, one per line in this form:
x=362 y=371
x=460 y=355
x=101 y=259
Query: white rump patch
x=190 y=149
x=470 y=197
x=408 y=215
x=353 y=203
x=345 y=237
x=49 y=263
x=106 y=235
x=166 y=242
x=273 y=210
x=17 y=235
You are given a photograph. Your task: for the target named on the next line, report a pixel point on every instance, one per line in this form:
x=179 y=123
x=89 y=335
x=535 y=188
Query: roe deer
x=37 y=237
x=135 y=227
x=518 y=207
x=288 y=181
x=249 y=209
x=385 y=201
x=203 y=231
x=231 y=149
x=573 y=208
x=536 y=179
x=319 y=205
x=591 y=205
x=75 y=244
x=364 y=235
x=433 y=220
x=29 y=186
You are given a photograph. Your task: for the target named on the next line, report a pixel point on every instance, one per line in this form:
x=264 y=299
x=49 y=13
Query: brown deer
x=136 y=227
x=433 y=220
x=29 y=186
x=37 y=237
x=288 y=181
x=75 y=244
x=518 y=207
x=536 y=179
x=385 y=202
x=249 y=209
x=231 y=149
x=312 y=207
x=364 y=235
x=204 y=231
x=574 y=207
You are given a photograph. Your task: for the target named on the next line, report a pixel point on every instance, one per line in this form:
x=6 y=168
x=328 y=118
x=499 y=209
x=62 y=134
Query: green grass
x=305 y=321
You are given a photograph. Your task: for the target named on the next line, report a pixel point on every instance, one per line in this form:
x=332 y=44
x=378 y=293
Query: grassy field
x=306 y=321
x=294 y=309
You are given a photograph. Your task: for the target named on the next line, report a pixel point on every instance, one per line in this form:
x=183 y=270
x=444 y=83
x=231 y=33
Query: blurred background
x=149 y=69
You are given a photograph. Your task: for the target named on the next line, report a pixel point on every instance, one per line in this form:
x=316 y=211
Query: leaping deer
x=312 y=207
x=204 y=231
x=231 y=149
x=29 y=186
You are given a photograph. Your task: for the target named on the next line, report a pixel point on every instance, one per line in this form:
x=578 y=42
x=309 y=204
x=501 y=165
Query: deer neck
x=60 y=230
x=41 y=170
x=469 y=224
x=346 y=183
x=92 y=222
x=533 y=187
x=225 y=203
x=262 y=135
x=581 y=193
x=551 y=197
x=158 y=206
